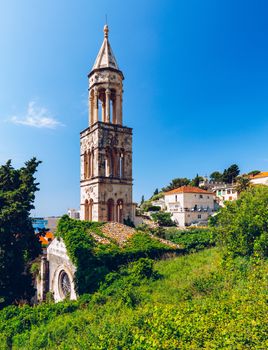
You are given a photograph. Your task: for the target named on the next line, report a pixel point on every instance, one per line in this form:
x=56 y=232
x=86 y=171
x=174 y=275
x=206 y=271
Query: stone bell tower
x=106 y=145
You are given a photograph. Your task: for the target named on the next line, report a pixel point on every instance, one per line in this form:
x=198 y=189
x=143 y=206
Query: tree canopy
x=177 y=182
x=230 y=174
x=18 y=243
x=196 y=181
x=242 y=226
x=216 y=176
x=242 y=184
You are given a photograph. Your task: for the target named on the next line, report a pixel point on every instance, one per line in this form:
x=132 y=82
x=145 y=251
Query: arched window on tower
x=121 y=164
x=85 y=165
x=115 y=163
x=86 y=210
x=108 y=163
x=119 y=211
x=88 y=165
x=92 y=164
x=113 y=106
x=102 y=105
x=110 y=210
x=90 y=210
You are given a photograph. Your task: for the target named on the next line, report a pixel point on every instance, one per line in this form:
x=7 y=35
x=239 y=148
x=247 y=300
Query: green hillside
x=188 y=302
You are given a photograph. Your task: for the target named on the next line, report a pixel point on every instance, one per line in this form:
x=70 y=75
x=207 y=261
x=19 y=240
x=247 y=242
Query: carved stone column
x=107 y=103
x=96 y=112
x=103 y=114
x=91 y=115
x=119 y=108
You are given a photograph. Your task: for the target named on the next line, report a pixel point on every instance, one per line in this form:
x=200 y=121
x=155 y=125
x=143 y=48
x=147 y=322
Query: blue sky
x=195 y=90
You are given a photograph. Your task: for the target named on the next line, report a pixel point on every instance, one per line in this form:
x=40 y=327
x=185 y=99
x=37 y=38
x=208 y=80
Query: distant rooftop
x=260 y=175
x=188 y=189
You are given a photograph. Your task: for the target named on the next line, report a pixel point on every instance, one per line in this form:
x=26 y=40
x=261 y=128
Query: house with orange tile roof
x=260 y=179
x=45 y=240
x=190 y=205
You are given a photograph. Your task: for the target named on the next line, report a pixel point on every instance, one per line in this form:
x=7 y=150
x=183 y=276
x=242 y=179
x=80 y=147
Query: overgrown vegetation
x=163 y=219
x=18 y=243
x=192 y=239
x=94 y=260
x=241 y=227
x=211 y=299
x=190 y=302
x=229 y=175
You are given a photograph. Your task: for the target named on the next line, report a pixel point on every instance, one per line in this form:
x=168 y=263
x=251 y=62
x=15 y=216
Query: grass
x=197 y=303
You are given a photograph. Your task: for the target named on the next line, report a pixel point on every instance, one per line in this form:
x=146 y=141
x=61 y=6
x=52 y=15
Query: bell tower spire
x=105 y=86
x=106 y=145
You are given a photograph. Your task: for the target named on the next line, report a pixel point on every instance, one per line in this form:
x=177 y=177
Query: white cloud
x=37 y=117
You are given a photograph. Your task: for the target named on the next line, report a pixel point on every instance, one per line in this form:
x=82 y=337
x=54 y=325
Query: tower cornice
x=105 y=69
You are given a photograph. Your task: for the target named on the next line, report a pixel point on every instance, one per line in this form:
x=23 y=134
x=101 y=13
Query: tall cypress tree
x=18 y=243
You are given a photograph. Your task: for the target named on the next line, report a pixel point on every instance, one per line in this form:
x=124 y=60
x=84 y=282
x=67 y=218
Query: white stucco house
x=260 y=179
x=189 y=205
x=160 y=203
x=225 y=192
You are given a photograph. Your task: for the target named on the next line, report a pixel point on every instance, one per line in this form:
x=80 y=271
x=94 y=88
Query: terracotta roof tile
x=47 y=238
x=260 y=175
x=188 y=189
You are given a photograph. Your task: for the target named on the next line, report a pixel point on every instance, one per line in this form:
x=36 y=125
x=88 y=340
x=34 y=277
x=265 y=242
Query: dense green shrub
x=163 y=219
x=93 y=260
x=192 y=239
x=154 y=208
x=197 y=304
x=241 y=227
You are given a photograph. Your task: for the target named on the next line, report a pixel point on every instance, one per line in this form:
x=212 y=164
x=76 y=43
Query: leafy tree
x=142 y=199
x=18 y=243
x=230 y=174
x=163 y=219
x=242 y=184
x=175 y=183
x=145 y=205
x=196 y=181
x=156 y=192
x=242 y=226
x=156 y=197
x=254 y=172
x=216 y=176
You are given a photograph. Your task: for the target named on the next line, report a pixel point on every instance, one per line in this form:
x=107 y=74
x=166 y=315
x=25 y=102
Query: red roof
x=47 y=238
x=188 y=189
x=260 y=175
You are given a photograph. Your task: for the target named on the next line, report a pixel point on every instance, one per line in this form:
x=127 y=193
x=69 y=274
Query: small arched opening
x=90 y=210
x=91 y=162
x=86 y=210
x=110 y=210
x=119 y=211
x=121 y=164
x=85 y=165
